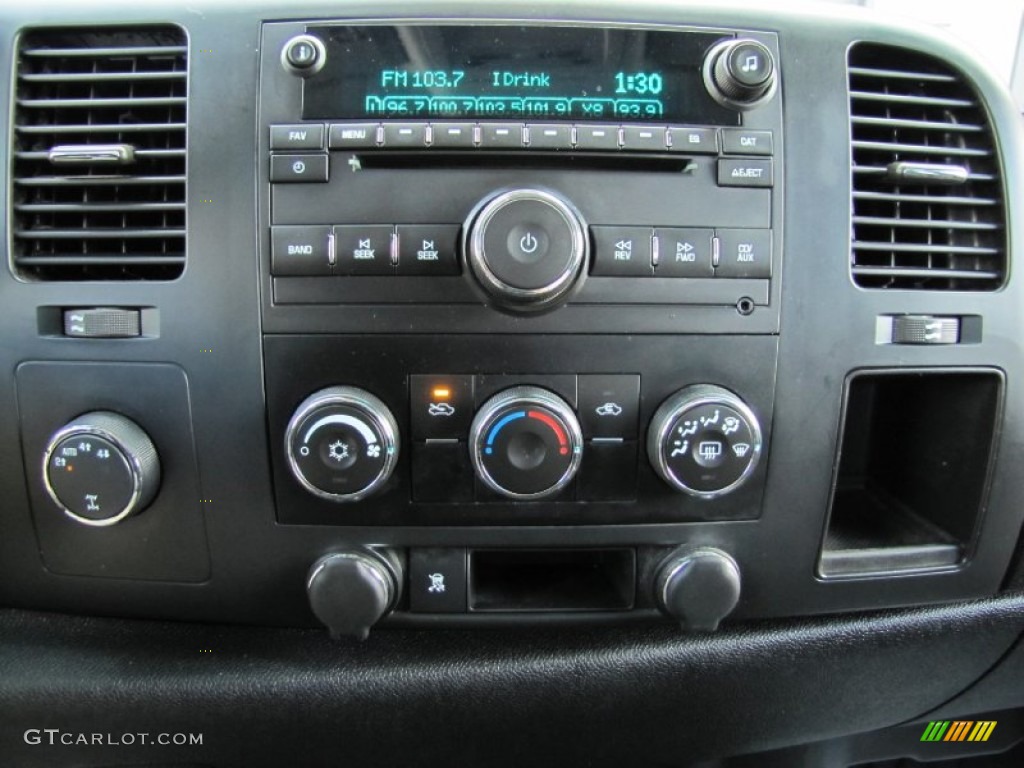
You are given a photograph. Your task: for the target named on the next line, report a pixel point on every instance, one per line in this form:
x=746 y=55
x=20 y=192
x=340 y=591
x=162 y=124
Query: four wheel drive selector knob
x=704 y=440
x=101 y=468
x=526 y=443
x=527 y=249
x=342 y=443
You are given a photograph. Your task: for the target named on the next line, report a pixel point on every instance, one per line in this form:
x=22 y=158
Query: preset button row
x=681 y=252
x=355 y=249
x=538 y=136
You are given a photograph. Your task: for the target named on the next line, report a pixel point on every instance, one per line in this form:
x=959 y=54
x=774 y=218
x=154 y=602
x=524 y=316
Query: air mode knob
x=704 y=440
x=740 y=73
x=101 y=468
x=526 y=443
x=342 y=443
x=527 y=248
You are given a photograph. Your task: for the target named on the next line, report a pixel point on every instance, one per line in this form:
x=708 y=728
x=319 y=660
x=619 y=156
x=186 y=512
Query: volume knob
x=740 y=73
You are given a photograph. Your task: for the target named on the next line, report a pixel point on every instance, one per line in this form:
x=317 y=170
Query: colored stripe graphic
x=982 y=730
x=958 y=730
x=935 y=730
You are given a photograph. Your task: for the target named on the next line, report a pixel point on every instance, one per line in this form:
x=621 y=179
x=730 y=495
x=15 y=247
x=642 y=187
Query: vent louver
x=99 y=154
x=927 y=204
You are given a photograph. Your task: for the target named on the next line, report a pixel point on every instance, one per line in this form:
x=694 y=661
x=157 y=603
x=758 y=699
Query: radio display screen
x=498 y=72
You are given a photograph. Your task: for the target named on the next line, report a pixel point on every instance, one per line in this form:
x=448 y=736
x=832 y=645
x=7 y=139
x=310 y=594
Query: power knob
x=527 y=249
x=342 y=444
x=101 y=468
x=740 y=73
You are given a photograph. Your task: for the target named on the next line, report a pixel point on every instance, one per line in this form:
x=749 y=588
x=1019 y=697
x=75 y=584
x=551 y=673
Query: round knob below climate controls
x=342 y=443
x=101 y=468
x=526 y=443
x=526 y=248
x=704 y=441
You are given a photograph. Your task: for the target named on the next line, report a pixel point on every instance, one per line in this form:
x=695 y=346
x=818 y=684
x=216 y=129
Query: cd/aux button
x=744 y=253
x=363 y=250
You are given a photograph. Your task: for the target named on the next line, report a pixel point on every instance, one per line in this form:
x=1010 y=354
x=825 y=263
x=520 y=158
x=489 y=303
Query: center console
x=442 y=319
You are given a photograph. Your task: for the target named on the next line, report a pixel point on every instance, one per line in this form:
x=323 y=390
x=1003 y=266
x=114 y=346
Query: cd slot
x=520 y=160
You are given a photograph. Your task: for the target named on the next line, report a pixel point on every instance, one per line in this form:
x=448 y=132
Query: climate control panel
x=383 y=439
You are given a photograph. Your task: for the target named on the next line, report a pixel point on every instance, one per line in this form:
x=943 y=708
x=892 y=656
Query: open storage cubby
x=915 y=457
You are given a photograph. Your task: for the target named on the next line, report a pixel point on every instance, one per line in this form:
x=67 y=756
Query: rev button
x=622 y=251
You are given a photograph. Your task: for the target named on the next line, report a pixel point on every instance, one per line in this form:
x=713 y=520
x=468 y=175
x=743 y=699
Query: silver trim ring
x=526 y=395
x=476 y=255
x=678 y=404
x=375 y=411
x=135 y=469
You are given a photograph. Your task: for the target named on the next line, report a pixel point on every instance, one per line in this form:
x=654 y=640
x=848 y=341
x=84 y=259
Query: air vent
x=928 y=208
x=99 y=154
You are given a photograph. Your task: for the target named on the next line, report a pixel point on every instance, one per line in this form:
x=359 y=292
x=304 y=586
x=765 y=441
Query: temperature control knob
x=101 y=468
x=704 y=441
x=740 y=73
x=342 y=443
x=526 y=443
x=526 y=248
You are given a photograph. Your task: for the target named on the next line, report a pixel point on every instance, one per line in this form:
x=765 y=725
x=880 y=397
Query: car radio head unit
x=497 y=72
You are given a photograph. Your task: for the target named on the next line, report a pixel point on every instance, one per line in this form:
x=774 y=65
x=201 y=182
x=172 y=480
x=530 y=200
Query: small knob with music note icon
x=740 y=73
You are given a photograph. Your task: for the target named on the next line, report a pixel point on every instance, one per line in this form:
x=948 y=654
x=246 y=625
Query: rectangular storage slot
x=914 y=465
x=552 y=580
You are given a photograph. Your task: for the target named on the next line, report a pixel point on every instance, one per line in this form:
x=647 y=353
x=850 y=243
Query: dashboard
x=558 y=352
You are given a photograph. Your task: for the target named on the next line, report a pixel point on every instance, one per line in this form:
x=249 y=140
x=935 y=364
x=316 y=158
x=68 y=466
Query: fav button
x=363 y=250
x=744 y=253
x=297 y=136
x=622 y=251
x=428 y=249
